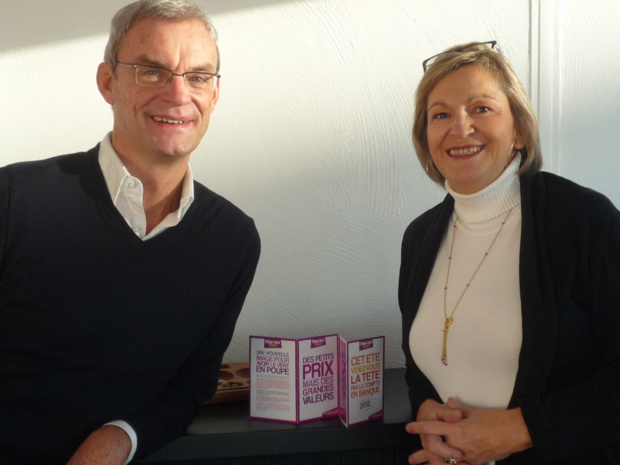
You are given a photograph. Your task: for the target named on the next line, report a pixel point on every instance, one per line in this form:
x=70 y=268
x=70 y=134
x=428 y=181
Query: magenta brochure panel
x=361 y=371
x=293 y=380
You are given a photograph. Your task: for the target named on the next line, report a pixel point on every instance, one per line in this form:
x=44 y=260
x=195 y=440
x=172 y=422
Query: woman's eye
x=482 y=109
x=441 y=115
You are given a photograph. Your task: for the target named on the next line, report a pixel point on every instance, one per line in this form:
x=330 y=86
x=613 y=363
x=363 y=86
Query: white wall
x=580 y=91
x=311 y=136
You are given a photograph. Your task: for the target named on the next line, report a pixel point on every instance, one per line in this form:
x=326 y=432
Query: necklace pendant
x=444 y=352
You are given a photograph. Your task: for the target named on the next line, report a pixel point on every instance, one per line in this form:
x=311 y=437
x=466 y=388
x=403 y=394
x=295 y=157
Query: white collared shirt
x=126 y=192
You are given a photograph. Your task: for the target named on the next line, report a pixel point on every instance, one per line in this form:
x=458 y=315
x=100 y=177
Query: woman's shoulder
x=565 y=194
x=435 y=217
x=565 y=204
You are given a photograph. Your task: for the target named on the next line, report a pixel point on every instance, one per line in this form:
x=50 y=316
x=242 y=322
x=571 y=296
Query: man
x=121 y=279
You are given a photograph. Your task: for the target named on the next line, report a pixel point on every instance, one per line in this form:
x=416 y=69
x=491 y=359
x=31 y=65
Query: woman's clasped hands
x=456 y=433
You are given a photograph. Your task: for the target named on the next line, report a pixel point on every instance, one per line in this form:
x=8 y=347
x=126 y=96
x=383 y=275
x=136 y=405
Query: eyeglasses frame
x=470 y=48
x=172 y=73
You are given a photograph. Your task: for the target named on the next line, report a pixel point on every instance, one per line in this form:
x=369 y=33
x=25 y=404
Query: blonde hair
x=454 y=58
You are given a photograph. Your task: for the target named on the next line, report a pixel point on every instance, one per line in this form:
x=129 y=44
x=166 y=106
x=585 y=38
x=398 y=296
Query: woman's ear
x=519 y=141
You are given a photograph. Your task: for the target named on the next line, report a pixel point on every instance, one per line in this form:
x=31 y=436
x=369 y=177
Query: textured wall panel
x=311 y=136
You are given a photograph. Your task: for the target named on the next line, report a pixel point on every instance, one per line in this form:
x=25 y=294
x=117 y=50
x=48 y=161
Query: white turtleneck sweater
x=484 y=339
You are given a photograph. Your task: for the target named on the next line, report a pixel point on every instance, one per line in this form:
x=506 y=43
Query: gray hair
x=176 y=10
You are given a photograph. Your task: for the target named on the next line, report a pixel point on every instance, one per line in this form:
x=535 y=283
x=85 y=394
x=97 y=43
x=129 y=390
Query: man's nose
x=177 y=90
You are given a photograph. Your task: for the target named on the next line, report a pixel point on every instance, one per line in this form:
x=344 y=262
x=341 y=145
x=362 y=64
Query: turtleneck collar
x=491 y=202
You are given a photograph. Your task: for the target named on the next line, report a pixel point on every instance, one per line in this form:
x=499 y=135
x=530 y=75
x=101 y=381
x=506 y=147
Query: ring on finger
x=450 y=461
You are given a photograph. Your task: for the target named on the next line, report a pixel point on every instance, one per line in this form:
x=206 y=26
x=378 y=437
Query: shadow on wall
x=31 y=23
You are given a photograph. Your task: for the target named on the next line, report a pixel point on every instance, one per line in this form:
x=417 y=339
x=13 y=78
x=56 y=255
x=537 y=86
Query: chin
x=176 y=151
x=177 y=154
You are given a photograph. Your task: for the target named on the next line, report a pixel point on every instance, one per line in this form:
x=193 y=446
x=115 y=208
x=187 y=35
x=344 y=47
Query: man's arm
x=4 y=211
x=108 y=445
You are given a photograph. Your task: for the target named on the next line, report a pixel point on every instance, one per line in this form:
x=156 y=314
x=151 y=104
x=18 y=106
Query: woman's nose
x=462 y=125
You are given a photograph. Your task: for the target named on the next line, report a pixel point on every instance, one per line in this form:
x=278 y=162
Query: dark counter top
x=225 y=430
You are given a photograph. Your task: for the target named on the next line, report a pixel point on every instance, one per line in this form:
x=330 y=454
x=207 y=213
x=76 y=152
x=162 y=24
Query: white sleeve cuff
x=132 y=436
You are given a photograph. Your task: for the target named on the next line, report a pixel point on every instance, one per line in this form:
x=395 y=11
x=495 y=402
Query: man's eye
x=198 y=78
x=152 y=74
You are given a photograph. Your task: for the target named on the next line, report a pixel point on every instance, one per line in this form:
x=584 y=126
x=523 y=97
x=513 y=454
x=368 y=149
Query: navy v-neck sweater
x=97 y=325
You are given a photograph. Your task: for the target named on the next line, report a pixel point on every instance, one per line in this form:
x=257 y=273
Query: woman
x=509 y=289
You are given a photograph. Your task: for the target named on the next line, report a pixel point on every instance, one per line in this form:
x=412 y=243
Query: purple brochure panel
x=272 y=379
x=317 y=382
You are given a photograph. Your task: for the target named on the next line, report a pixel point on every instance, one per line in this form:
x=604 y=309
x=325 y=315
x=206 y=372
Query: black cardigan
x=568 y=380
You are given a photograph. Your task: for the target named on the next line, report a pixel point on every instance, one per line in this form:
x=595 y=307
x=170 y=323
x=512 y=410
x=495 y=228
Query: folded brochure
x=299 y=380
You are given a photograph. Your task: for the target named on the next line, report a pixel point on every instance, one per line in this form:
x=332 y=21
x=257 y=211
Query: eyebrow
x=471 y=99
x=144 y=59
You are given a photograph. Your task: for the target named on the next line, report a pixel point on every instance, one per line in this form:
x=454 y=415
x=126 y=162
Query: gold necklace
x=447 y=320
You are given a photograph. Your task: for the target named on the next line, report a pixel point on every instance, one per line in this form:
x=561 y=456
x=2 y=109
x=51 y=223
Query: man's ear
x=105 y=78
x=216 y=95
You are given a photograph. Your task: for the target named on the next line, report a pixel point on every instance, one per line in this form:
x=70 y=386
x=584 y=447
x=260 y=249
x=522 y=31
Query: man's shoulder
x=212 y=203
x=73 y=163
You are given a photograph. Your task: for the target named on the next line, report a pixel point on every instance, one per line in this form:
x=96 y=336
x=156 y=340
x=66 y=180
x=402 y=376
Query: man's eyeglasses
x=490 y=45
x=154 y=76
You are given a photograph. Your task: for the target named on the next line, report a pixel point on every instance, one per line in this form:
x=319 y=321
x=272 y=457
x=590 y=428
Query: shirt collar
x=114 y=173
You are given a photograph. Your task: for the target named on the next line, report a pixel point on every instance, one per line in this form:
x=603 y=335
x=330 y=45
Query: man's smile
x=169 y=121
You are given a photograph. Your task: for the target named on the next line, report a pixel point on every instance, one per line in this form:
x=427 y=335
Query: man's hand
x=108 y=445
